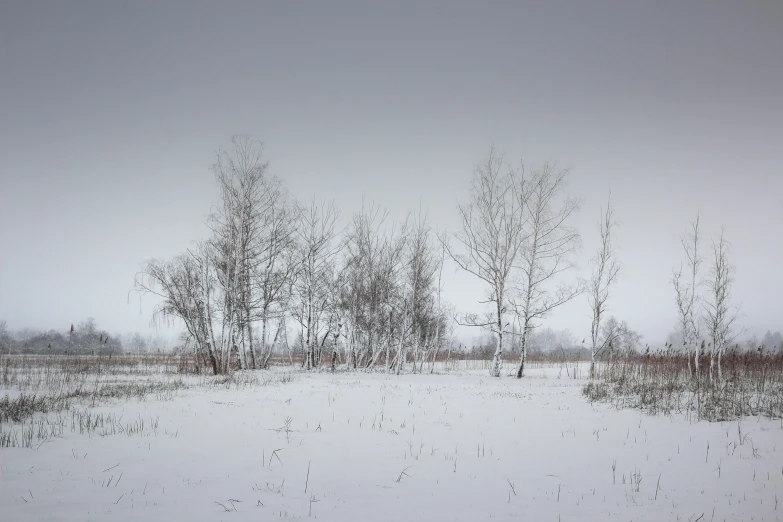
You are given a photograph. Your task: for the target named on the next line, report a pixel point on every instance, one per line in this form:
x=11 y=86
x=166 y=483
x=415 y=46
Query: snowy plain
x=351 y=446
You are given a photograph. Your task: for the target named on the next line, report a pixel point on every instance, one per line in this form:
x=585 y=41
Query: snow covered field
x=364 y=446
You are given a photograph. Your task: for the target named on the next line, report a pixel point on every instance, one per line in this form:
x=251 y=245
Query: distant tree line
x=85 y=338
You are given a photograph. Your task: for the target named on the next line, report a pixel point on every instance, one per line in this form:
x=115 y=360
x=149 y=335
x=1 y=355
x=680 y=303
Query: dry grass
x=751 y=384
x=40 y=390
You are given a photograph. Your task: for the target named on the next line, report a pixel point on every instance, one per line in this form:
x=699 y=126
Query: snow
x=384 y=447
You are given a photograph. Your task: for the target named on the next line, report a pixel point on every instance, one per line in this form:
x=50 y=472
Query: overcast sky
x=111 y=113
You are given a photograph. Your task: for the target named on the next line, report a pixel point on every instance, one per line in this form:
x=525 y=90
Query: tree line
x=370 y=295
x=85 y=338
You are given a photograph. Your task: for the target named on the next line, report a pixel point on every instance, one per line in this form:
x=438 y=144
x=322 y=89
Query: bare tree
x=604 y=274
x=209 y=288
x=337 y=333
x=243 y=274
x=618 y=337
x=490 y=241
x=186 y=287
x=549 y=243
x=371 y=296
x=421 y=321
x=446 y=329
x=687 y=294
x=247 y=196
x=5 y=338
x=254 y=232
x=311 y=290
x=720 y=315
x=273 y=275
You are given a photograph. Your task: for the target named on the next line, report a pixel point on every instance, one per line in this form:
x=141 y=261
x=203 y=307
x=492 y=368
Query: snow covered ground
x=356 y=446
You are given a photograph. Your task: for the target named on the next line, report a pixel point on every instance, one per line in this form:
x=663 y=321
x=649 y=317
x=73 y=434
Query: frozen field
x=356 y=446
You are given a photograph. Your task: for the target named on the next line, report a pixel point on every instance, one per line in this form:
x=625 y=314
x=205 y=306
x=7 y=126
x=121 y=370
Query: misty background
x=112 y=114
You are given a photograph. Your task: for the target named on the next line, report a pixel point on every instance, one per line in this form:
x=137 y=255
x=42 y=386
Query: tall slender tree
x=720 y=316
x=687 y=296
x=604 y=275
x=550 y=241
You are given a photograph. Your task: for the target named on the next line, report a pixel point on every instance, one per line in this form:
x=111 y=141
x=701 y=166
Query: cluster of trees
x=85 y=338
x=365 y=296
x=708 y=319
x=770 y=341
x=516 y=236
x=136 y=343
x=370 y=295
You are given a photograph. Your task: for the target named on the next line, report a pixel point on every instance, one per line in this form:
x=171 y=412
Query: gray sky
x=111 y=114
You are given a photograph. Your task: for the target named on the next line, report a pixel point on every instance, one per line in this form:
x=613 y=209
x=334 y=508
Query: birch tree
x=421 y=320
x=225 y=258
x=311 y=291
x=185 y=287
x=490 y=240
x=371 y=296
x=247 y=197
x=253 y=228
x=231 y=280
x=272 y=276
x=603 y=276
x=445 y=329
x=720 y=314
x=687 y=295
x=546 y=254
